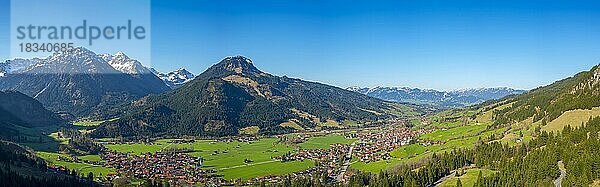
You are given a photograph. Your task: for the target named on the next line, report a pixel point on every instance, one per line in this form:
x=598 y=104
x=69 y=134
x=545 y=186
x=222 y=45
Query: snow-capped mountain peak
x=121 y=54
x=78 y=81
x=123 y=63
x=175 y=78
x=181 y=73
x=15 y=65
x=75 y=61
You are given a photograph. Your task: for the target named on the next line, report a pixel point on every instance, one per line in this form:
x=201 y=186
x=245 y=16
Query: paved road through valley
x=347 y=160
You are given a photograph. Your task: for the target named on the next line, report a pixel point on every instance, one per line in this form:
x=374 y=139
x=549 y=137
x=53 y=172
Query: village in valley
x=191 y=161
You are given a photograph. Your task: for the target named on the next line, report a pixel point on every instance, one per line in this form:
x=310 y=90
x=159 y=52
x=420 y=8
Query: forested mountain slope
x=581 y=91
x=19 y=112
x=21 y=167
x=234 y=94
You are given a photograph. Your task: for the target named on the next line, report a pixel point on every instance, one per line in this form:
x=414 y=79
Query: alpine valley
x=79 y=118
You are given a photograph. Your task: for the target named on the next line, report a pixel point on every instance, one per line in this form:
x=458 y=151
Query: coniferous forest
x=20 y=167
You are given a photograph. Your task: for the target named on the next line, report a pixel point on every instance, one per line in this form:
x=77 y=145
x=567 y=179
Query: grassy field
x=574 y=118
x=91 y=123
x=228 y=157
x=447 y=124
x=323 y=142
x=330 y=123
x=408 y=151
x=252 y=130
x=292 y=124
x=91 y=158
x=350 y=123
x=453 y=133
x=375 y=167
x=48 y=151
x=265 y=168
x=486 y=116
x=468 y=179
x=79 y=167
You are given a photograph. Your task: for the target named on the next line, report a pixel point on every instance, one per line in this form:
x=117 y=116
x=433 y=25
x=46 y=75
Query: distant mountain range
x=80 y=82
x=441 y=99
x=233 y=94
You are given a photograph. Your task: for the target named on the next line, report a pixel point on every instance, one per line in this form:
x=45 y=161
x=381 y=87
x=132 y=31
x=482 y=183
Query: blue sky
x=427 y=44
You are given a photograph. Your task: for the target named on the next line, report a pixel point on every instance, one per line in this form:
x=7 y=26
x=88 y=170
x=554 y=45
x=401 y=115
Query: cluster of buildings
x=327 y=161
x=175 y=166
x=165 y=166
x=377 y=145
x=247 y=139
x=371 y=146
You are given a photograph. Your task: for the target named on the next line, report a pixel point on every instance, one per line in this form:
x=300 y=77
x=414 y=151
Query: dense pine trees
x=20 y=167
x=549 y=102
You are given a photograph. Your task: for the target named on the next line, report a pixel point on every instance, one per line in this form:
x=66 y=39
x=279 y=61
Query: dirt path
x=563 y=173
x=452 y=174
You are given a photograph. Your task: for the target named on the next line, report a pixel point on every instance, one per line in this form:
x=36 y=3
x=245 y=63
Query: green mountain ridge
x=581 y=91
x=234 y=94
x=19 y=112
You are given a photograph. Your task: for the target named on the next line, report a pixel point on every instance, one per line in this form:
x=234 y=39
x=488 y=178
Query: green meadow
x=265 y=168
x=228 y=157
x=453 y=133
x=408 y=151
x=92 y=123
x=80 y=167
x=323 y=142
x=467 y=179
x=574 y=118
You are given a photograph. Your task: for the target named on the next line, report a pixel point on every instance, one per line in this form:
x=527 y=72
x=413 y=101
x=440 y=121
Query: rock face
x=81 y=83
x=596 y=75
x=234 y=94
x=124 y=64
